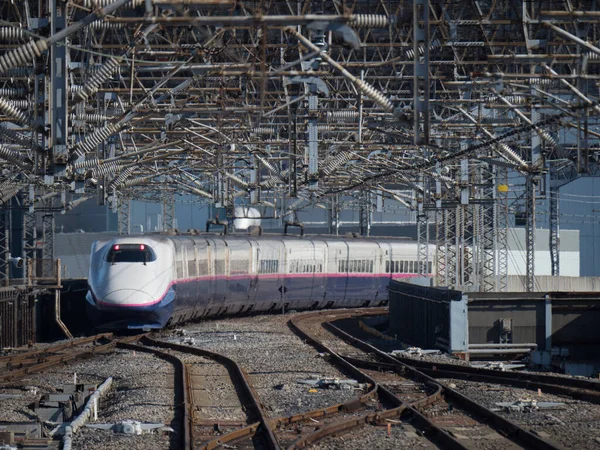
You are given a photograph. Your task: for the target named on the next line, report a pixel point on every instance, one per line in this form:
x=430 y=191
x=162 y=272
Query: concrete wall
x=547 y=283
x=575 y=319
x=526 y=311
x=569 y=257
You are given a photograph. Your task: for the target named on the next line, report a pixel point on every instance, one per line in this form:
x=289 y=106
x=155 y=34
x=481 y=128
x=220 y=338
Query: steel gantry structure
x=289 y=104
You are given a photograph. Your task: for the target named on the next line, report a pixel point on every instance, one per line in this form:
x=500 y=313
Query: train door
x=238 y=284
x=382 y=273
x=298 y=272
x=253 y=274
x=217 y=270
x=204 y=285
x=361 y=284
x=269 y=284
x=220 y=255
x=337 y=281
x=318 y=270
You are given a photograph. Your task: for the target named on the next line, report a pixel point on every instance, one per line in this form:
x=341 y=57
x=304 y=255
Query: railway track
x=576 y=388
x=18 y=366
x=198 y=373
x=432 y=416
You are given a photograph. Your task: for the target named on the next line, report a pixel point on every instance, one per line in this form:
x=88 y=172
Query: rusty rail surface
x=242 y=433
x=181 y=393
x=436 y=434
x=509 y=428
x=243 y=381
x=11 y=360
x=54 y=360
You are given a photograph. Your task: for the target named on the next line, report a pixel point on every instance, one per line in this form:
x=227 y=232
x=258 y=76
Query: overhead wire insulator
x=375 y=95
x=13 y=156
x=540 y=81
x=16 y=137
x=547 y=137
x=369 y=21
x=22 y=104
x=432 y=46
x=263 y=130
x=10 y=110
x=237 y=180
x=20 y=73
x=120 y=179
x=94 y=118
x=96 y=138
x=266 y=163
x=12 y=34
x=512 y=154
x=23 y=55
x=200 y=192
x=87 y=164
x=107 y=168
x=69 y=206
x=296 y=203
x=103 y=25
x=12 y=92
x=138 y=180
x=93 y=84
x=514 y=99
x=90 y=4
x=8 y=191
x=336 y=162
x=344 y=115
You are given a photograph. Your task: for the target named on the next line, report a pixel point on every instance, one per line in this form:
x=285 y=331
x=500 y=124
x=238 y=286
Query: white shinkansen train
x=150 y=281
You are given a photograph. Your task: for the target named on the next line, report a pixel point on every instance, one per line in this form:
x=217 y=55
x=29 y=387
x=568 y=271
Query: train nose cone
x=127 y=297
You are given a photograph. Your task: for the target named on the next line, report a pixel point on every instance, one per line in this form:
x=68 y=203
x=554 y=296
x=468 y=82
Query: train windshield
x=130 y=253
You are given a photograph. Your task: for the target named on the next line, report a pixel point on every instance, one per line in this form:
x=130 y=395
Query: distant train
x=151 y=281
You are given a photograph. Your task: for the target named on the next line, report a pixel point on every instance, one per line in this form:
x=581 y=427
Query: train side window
x=387 y=267
x=191 y=268
x=239 y=267
x=269 y=266
x=371 y=265
x=220 y=267
x=412 y=267
x=429 y=267
x=202 y=267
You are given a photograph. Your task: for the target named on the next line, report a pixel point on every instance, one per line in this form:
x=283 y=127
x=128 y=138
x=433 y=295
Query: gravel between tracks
x=575 y=424
x=274 y=358
x=142 y=390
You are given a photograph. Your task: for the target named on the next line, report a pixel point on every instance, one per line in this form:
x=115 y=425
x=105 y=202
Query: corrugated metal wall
x=420 y=315
x=17 y=318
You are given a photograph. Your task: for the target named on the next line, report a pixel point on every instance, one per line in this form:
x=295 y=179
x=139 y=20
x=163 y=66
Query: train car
x=152 y=281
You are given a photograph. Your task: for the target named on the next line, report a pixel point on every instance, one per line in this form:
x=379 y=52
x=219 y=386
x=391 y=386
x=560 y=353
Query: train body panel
x=149 y=281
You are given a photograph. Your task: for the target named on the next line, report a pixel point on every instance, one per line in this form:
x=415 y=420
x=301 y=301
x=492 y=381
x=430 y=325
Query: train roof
x=264 y=236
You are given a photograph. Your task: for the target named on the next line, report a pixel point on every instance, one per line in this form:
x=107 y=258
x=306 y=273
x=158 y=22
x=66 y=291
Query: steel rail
x=509 y=428
x=435 y=371
x=437 y=435
x=54 y=360
x=11 y=359
x=242 y=379
x=183 y=394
